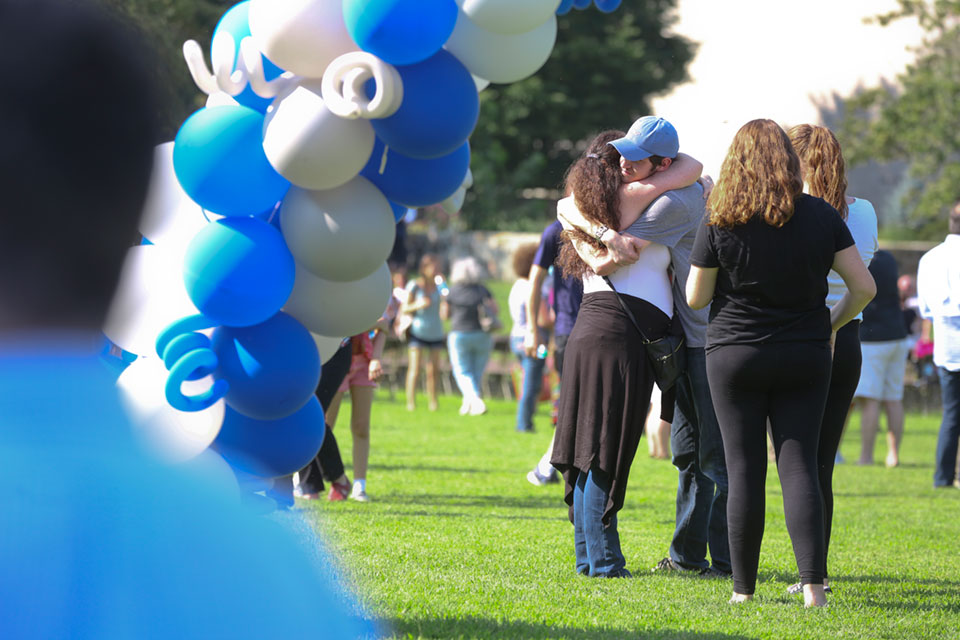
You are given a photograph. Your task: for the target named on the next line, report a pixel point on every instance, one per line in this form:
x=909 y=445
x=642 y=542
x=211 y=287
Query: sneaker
x=667 y=565
x=338 y=491
x=622 y=573
x=797 y=588
x=465 y=407
x=359 y=495
x=477 y=407
x=537 y=479
x=713 y=572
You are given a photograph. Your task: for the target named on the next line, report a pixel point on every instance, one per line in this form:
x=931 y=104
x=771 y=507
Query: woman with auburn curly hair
x=763 y=259
x=607 y=381
x=822 y=166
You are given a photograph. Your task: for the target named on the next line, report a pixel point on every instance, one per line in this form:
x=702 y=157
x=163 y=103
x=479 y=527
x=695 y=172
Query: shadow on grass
x=420 y=467
x=473 y=627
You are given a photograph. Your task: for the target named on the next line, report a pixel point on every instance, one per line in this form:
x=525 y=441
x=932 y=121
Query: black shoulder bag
x=667 y=355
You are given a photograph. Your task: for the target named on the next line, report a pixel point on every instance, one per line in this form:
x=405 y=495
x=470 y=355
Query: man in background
x=938 y=291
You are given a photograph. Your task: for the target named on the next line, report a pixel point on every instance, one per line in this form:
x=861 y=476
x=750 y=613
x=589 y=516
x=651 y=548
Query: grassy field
x=456 y=544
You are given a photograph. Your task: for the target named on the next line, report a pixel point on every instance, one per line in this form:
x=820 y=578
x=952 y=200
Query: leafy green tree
x=916 y=121
x=602 y=72
x=167 y=24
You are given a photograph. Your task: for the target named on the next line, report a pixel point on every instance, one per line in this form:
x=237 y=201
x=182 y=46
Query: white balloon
x=221 y=99
x=509 y=16
x=310 y=146
x=339 y=308
x=482 y=83
x=170 y=218
x=302 y=36
x=172 y=435
x=454 y=203
x=327 y=346
x=340 y=234
x=501 y=58
x=150 y=296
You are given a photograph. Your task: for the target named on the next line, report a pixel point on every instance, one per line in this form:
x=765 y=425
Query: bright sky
x=773 y=59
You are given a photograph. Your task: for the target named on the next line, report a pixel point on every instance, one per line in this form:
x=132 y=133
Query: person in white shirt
x=938 y=291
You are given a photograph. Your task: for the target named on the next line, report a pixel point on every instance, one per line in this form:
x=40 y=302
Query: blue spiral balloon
x=400 y=31
x=416 y=182
x=565 y=7
x=439 y=109
x=271 y=448
x=219 y=161
x=581 y=4
x=238 y=271
x=273 y=368
x=236 y=22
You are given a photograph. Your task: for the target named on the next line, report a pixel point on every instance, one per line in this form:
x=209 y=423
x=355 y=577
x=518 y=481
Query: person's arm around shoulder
x=637 y=196
x=622 y=250
x=537 y=275
x=861 y=287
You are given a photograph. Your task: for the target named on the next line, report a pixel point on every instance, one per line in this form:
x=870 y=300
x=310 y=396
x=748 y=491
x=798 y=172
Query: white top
x=519 y=293
x=646 y=279
x=862 y=223
x=938 y=292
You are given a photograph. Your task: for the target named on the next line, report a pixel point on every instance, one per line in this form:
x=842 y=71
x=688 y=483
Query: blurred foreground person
x=769 y=339
x=126 y=547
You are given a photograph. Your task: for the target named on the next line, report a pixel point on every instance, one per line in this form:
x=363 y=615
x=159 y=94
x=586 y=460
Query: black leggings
x=787 y=383
x=843 y=385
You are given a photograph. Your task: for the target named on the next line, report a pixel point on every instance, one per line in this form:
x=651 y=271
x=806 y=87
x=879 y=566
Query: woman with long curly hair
x=763 y=259
x=824 y=176
x=607 y=381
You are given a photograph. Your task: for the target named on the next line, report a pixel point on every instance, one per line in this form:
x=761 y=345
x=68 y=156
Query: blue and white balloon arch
x=272 y=213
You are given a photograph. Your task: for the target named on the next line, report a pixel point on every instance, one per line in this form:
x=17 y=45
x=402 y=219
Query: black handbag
x=667 y=355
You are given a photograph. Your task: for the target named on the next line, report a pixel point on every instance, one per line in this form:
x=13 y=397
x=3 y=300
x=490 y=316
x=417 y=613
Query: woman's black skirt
x=605 y=392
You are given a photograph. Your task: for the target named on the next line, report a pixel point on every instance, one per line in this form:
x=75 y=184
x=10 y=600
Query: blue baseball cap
x=648 y=136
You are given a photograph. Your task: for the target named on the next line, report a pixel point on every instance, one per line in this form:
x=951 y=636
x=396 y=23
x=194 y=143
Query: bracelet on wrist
x=598 y=233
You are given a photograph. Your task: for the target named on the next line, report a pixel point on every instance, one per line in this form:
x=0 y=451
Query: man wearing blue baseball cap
x=651 y=145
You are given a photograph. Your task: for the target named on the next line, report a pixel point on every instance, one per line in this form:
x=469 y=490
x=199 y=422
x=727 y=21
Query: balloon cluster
x=272 y=213
x=606 y=6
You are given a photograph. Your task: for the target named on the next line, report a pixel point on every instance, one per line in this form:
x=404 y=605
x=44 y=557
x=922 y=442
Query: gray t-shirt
x=673 y=220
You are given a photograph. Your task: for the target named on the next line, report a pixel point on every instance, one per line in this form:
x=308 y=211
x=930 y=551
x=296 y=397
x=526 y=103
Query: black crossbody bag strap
x=626 y=309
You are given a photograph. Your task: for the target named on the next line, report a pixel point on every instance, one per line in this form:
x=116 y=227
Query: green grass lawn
x=456 y=544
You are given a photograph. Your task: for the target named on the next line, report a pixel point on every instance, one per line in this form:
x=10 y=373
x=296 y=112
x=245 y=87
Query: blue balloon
x=399 y=211
x=439 y=109
x=581 y=4
x=564 y=8
x=416 y=182
x=238 y=271
x=400 y=31
x=271 y=448
x=607 y=6
x=273 y=368
x=219 y=161
x=236 y=22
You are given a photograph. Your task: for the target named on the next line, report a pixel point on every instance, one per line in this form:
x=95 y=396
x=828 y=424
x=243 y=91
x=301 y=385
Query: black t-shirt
x=883 y=317
x=772 y=282
x=464 y=300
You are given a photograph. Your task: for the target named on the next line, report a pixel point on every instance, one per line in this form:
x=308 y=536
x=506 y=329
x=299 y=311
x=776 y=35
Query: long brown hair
x=822 y=164
x=594 y=181
x=759 y=176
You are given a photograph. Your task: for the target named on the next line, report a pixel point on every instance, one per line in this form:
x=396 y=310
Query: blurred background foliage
x=914 y=123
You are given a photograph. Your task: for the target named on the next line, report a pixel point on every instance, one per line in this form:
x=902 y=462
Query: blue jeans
x=702 y=487
x=597 y=548
x=532 y=382
x=945 y=470
x=469 y=353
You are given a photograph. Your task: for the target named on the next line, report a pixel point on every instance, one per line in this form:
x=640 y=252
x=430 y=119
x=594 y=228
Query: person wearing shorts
x=885 y=347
